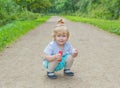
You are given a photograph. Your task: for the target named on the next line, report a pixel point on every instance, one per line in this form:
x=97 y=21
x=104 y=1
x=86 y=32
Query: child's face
x=61 y=38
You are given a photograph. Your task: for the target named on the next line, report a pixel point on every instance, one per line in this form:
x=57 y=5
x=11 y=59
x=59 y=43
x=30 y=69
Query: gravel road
x=97 y=65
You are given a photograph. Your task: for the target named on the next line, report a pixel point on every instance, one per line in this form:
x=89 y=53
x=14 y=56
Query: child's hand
x=75 y=52
x=58 y=57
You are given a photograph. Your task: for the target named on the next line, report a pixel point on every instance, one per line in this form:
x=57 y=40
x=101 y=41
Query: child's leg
x=50 y=68
x=69 y=62
x=52 y=65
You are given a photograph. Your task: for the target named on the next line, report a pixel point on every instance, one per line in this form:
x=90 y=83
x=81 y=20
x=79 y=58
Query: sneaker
x=51 y=75
x=68 y=72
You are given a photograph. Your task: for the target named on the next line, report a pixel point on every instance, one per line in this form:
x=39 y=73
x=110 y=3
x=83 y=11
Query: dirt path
x=97 y=66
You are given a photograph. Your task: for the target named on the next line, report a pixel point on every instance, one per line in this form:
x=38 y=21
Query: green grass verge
x=112 y=26
x=13 y=31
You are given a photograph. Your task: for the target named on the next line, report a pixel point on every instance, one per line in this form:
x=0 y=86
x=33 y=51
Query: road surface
x=97 y=65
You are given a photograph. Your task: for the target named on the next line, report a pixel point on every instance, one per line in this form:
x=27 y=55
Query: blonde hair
x=60 y=28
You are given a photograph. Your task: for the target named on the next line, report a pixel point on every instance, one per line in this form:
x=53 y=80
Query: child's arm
x=51 y=58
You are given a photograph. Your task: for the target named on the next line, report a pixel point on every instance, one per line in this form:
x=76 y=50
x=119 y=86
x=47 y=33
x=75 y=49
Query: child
x=55 y=61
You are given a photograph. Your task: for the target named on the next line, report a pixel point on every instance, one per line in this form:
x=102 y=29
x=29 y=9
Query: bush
x=12 y=31
x=8 y=11
x=26 y=15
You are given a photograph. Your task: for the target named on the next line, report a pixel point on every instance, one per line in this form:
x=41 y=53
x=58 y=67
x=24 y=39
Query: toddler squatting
x=59 y=53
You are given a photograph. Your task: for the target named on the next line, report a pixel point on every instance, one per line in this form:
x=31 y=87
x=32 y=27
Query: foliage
x=34 y=5
x=8 y=11
x=105 y=9
x=26 y=15
x=12 y=31
x=107 y=25
x=11 y=10
x=63 y=6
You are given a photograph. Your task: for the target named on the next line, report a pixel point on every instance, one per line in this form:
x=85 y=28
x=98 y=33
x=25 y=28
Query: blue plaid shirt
x=52 y=48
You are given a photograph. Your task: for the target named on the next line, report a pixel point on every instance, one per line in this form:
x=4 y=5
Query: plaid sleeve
x=69 y=48
x=48 y=50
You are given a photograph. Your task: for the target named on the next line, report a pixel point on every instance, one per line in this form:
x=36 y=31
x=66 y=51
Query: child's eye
x=58 y=35
x=61 y=35
x=64 y=35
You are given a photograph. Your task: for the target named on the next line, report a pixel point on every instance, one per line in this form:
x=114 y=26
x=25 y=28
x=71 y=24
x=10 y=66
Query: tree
x=34 y=5
x=8 y=11
x=64 y=6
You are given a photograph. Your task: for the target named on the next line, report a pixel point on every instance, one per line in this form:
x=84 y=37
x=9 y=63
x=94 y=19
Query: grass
x=13 y=31
x=112 y=26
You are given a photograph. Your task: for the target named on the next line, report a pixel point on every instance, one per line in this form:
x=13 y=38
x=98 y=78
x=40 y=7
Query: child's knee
x=69 y=58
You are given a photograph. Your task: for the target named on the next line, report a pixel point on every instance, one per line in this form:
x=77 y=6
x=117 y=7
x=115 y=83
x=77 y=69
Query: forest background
x=30 y=9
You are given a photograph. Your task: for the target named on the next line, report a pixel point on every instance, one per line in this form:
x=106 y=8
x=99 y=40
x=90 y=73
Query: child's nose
x=61 y=37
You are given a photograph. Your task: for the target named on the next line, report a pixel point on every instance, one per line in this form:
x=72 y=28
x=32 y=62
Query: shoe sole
x=52 y=77
x=68 y=74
